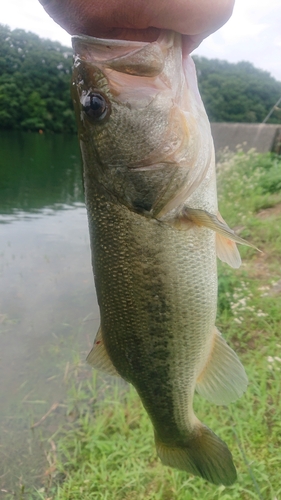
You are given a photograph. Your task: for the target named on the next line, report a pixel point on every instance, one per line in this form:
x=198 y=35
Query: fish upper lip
x=164 y=36
x=91 y=40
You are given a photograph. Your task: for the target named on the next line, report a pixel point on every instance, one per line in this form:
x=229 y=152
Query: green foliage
x=253 y=183
x=271 y=178
x=34 y=83
x=237 y=92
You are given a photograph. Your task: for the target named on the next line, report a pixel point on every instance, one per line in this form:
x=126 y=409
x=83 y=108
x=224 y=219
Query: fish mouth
x=134 y=70
x=166 y=37
x=131 y=57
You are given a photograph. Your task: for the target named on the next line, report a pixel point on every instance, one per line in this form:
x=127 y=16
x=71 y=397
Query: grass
x=107 y=451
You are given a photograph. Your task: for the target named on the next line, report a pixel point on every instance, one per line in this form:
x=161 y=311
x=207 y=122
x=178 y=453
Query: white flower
x=237 y=320
x=261 y=314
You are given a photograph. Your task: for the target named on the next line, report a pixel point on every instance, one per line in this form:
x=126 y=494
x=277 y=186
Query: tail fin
x=204 y=455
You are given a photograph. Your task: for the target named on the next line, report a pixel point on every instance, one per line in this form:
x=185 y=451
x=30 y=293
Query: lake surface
x=48 y=308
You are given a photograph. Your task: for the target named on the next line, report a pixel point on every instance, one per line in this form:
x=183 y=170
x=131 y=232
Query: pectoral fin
x=98 y=357
x=226 y=248
x=227 y=251
x=225 y=237
x=223 y=379
x=204 y=218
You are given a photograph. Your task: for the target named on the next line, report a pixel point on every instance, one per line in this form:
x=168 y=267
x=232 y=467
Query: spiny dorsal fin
x=98 y=357
x=223 y=378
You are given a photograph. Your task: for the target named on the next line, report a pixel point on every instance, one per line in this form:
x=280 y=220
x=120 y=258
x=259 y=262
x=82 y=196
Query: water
x=48 y=308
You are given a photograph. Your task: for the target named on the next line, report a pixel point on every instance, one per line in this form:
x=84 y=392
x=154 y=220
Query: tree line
x=35 y=77
x=34 y=83
x=237 y=92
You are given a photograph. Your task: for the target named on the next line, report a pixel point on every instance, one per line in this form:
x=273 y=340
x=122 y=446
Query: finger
x=139 y=19
x=191 y=17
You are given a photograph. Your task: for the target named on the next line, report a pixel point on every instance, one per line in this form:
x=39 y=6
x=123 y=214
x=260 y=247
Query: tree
x=35 y=79
x=236 y=92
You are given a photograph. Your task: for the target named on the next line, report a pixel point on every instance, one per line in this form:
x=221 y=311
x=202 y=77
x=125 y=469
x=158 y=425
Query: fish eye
x=95 y=105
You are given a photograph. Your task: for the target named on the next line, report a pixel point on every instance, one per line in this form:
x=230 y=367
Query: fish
x=155 y=234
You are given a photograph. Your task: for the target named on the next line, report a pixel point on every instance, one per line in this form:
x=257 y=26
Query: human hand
x=140 y=19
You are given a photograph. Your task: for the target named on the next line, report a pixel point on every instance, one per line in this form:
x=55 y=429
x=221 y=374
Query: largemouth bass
x=150 y=187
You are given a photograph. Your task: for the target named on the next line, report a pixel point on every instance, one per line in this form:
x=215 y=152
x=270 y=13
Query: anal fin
x=223 y=378
x=98 y=357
